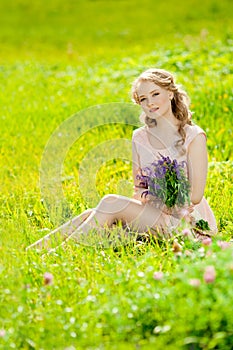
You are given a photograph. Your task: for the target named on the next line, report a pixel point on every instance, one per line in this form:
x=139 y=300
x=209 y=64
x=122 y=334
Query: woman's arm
x=197 y=167
x=136 y=170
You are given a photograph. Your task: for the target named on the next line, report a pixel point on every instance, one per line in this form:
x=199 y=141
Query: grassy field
x=57 y=59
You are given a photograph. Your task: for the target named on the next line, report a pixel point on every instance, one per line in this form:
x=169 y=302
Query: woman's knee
x=107 y=201
x=112 y=203
x=109 y=198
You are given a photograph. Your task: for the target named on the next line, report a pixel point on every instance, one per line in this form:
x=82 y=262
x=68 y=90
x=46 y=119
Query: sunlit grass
x=57 y=59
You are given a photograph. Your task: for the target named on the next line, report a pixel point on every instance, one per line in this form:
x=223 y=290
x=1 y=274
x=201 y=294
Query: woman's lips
x=152 y=110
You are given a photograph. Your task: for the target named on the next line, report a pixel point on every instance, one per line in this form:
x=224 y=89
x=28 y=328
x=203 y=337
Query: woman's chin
x=154 y=116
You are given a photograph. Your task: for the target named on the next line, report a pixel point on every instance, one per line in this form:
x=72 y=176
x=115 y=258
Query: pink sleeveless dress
x=146 y=154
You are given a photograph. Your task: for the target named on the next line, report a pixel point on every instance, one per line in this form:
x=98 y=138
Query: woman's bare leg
x=61 y=232
x=139 y=217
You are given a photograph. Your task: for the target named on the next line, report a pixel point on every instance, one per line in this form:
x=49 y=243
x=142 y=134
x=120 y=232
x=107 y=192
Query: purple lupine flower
x=183 y=163
x=165 y=159
x=160 y=172
x=178 y=174
x=167 y=181
x=148 y=171
x=176 y=168
x=141 y=177
x=154 y=164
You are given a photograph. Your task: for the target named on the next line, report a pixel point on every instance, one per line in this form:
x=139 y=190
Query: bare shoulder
x=139 y=133
x=198 y=142
x=194 y=133
x=193 y=129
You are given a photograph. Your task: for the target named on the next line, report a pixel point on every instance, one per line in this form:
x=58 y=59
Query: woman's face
x=154 y=100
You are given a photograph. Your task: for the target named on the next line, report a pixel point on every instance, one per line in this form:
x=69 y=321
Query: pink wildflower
x=187 y=232
x=223 y=244
x=195 y=282
x=158 y=275
x=2 y=333
x=48 y=278
x=207 y=241
x=209 y=274
x=209 y=253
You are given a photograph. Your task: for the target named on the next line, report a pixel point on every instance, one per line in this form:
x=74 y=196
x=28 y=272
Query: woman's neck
x=166 y=124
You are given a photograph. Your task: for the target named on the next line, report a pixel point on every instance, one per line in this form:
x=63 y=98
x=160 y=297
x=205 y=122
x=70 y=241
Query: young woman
x=167 y=130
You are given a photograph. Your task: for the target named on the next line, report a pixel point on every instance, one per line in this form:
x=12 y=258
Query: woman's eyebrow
x=151 y=92
x=156 y=90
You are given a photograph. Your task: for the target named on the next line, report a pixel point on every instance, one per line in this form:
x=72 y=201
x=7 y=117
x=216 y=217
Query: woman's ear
x=171 y=95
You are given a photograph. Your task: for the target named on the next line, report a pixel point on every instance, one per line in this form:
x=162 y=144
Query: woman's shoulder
x=192 y=131
x=139 y=134
x=194 y=128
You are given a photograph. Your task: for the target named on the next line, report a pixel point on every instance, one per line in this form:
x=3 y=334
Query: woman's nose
x=149 y=103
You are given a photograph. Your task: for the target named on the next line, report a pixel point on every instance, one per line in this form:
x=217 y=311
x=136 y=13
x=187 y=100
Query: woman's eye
x=155 y=94
x=142 y=99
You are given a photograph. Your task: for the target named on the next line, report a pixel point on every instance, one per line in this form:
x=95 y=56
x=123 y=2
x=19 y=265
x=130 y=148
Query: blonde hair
x=179 y=103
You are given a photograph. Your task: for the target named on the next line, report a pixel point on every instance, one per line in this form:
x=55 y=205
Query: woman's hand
x=138 y=194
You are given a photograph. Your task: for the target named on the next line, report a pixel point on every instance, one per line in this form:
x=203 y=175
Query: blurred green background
x=57 y=30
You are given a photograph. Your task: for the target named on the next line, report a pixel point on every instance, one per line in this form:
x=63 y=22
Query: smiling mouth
x=152 y=110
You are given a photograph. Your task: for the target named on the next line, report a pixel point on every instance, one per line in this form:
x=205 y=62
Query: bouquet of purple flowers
x=166 y=181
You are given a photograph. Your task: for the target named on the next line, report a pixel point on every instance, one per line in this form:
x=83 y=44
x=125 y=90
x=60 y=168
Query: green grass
x=57 y=59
